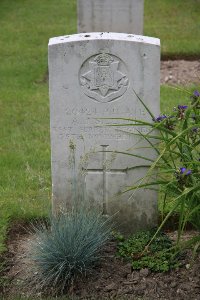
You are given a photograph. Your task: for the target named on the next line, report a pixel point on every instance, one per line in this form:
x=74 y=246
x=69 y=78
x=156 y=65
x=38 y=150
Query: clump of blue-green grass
x=68 y=246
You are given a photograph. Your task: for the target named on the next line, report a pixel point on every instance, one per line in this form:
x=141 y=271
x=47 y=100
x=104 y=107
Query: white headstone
x=111 y=15
x=94 y=76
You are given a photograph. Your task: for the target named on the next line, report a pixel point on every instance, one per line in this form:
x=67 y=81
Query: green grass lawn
x=176 y=23
x=25 y=27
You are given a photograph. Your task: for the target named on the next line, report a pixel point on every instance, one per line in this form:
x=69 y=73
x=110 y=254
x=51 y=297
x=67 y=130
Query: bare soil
x=180 y=72
x=111 y=278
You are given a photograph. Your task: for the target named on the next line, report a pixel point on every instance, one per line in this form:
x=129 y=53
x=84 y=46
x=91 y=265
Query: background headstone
x=93 y=76
x=111 y=15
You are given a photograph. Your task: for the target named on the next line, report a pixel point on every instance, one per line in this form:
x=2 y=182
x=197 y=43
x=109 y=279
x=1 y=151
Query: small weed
x=158 y=257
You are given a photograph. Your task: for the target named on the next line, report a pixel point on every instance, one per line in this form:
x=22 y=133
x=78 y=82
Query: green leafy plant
x=159 y=257
x=177 y=163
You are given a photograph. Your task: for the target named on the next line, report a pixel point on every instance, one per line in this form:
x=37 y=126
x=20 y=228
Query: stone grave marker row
x=124 y=16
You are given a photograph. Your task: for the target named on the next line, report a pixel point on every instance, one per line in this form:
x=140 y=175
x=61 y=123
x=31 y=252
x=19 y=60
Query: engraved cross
x=105 y=173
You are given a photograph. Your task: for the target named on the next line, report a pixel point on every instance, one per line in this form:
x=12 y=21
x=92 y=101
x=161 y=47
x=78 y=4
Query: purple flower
x=182 y=107
x=184 y=171
x=188 y=172
x=160 y=118
x=196 y=99
x=181 y=111
x=195 y=129
x=196 y=94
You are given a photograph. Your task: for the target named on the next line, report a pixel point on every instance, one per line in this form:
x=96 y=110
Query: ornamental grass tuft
x=67 y=247
x=69 y=244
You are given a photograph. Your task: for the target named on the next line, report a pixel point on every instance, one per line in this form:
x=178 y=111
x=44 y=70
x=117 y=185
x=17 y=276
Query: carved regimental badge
x=103 y=77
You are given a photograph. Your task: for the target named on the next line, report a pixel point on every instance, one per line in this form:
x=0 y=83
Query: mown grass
x=25 y=27
x=176 y=23
x=25 y=153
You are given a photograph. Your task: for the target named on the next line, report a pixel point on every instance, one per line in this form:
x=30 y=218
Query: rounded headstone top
x=104 y=36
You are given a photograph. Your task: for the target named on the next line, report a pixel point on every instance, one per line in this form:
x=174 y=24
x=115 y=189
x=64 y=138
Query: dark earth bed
x=112 y=278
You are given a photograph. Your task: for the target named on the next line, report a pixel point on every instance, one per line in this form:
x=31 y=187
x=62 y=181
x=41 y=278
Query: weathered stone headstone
x=111 y=15
x=94 y=76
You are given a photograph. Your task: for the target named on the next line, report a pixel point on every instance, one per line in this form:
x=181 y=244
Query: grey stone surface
x=94 y=76
x=111 y=15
